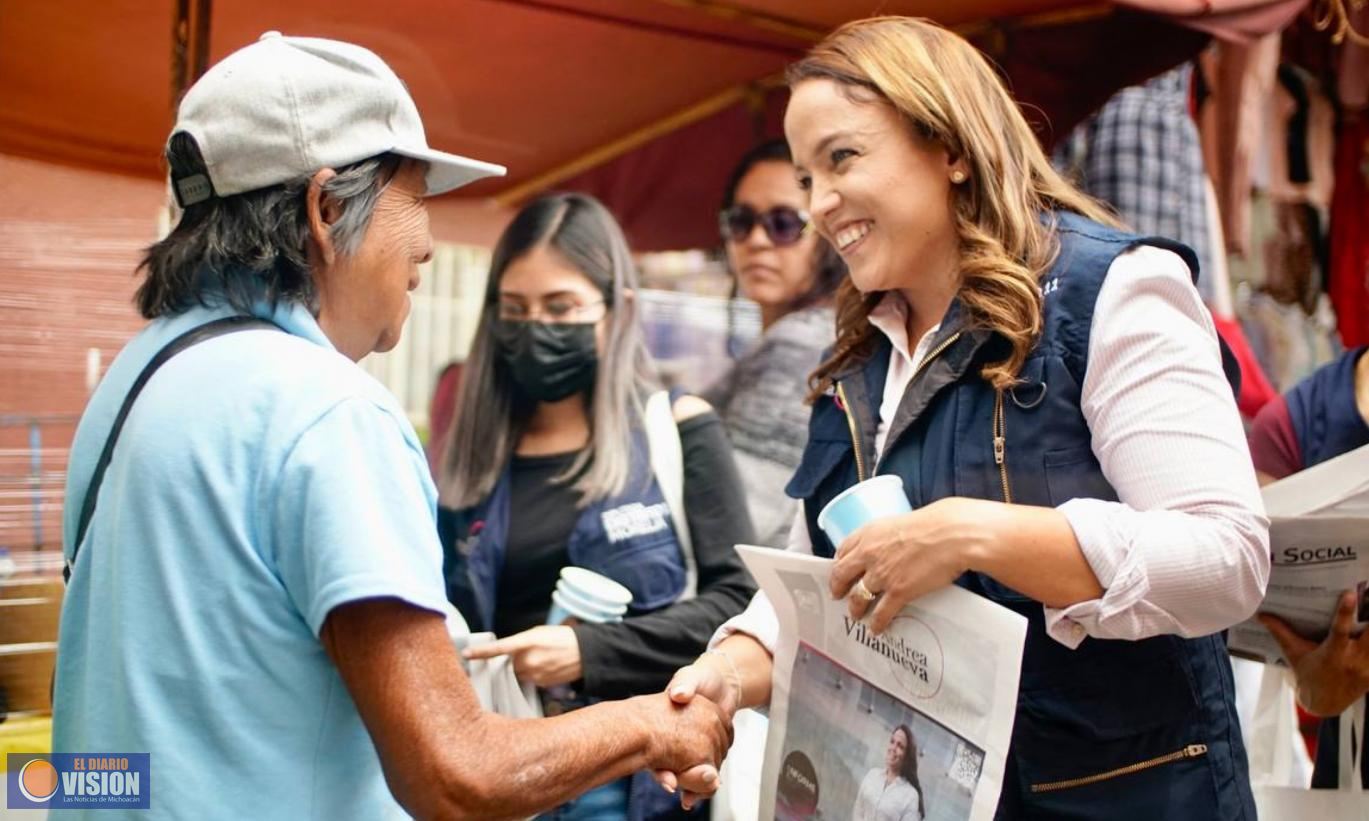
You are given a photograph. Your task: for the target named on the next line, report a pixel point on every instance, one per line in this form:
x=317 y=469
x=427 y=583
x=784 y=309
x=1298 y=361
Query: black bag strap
x=194 y=336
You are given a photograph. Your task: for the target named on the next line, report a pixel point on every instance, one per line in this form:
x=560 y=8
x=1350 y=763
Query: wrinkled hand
x=1331 y=675
x=545 y=655
x=698 y=679
x=689 y=741
x=902 y=557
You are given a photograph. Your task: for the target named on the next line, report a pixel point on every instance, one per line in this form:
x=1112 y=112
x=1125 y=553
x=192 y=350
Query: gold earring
x=957 y=176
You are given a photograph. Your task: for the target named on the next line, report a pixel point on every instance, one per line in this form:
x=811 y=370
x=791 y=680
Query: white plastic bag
x=496 y=686
x=1348 y=802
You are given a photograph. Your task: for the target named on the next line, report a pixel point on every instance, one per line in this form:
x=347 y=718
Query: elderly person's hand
x=714 y=677
x=544 y=655
x=682 y=759
x=902 y=557
x=1333 y=674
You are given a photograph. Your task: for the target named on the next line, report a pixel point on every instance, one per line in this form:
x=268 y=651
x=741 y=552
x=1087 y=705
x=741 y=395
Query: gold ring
x=862 y=592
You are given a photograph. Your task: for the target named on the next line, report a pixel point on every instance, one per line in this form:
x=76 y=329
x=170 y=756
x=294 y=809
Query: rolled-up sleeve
x=1185 y=549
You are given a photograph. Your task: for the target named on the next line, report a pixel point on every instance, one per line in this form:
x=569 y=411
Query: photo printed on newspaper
x=914 y=723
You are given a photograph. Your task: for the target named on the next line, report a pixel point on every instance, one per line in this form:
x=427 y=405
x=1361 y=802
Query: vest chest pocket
x=829 y=440
x=1074 y=473
x=820 y=460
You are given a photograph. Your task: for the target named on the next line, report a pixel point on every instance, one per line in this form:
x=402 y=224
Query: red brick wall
x=69 y=243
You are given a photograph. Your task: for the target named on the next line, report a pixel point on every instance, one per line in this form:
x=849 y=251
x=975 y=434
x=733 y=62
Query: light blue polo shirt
x=261 y=480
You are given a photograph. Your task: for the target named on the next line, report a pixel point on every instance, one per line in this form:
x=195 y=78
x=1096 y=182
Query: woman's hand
x=545 y=655
x=1331 y=675
x=902 y=557
x=709 y=676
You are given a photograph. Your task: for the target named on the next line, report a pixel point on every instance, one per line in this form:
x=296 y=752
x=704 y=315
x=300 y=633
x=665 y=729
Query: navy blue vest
x=1164 y=705
x=629 y=537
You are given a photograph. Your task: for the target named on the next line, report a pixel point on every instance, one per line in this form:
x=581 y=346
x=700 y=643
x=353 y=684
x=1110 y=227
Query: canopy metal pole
x=189 y=46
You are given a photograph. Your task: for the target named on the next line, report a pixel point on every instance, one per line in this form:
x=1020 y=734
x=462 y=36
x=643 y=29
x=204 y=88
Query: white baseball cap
x=284 y=107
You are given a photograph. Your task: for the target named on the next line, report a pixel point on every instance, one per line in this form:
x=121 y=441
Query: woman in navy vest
x=1050 y=390
x=548 y=466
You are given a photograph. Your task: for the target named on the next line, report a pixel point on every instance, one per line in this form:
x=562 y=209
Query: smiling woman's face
x=877 y=191
x=898 y=748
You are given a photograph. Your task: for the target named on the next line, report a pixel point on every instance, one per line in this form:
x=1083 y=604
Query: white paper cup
x=872 y=499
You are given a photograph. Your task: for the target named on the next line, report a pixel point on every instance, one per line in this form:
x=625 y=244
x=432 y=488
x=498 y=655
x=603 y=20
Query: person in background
x=548 y=466
x=257 y=601
x=1322 y=417
x=1050 y=390
x=790 y=273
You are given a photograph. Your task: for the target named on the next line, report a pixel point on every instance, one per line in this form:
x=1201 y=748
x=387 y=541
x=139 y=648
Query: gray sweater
x=761 y=401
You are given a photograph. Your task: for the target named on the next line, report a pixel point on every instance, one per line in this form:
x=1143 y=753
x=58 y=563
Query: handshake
x=691 y=729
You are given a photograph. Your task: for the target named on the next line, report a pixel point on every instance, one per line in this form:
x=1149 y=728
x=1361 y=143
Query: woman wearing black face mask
x=548 y=465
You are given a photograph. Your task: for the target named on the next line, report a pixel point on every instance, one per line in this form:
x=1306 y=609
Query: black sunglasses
x=784 y=225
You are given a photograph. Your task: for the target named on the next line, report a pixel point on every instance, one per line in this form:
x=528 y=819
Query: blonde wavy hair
x=948 y=93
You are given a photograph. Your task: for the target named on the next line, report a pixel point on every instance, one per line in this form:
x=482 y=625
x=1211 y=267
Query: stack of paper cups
x=587 y=596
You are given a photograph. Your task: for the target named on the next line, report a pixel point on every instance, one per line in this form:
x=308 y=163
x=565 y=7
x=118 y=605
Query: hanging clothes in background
x=1237 y=81
x=1290 y=324
x=1270 y=127
x=1256 y=390
x=1302 y=140
x=1348 y=283
x=1288 y=343
x=1140 y=153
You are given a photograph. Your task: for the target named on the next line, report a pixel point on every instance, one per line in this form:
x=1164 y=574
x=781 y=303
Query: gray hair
x=489 y=421
x=253 y=246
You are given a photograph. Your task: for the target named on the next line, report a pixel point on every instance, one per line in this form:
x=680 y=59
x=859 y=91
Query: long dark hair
x=489 y=419
x=829 y=270
x=907 y=769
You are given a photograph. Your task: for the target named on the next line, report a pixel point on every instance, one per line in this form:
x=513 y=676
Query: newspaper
x=1319 y=540
x=946 y=671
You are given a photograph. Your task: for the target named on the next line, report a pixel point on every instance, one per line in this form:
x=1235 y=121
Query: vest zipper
x=1191 y=751
x=933 y=354
x=855 y=432
x=1000 y=443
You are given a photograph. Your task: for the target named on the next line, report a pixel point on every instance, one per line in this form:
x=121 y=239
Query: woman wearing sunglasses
x=790 y=273
x=548 y=465
x=1050 y=390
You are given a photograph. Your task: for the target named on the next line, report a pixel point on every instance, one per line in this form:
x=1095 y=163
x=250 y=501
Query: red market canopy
x=644 y=103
